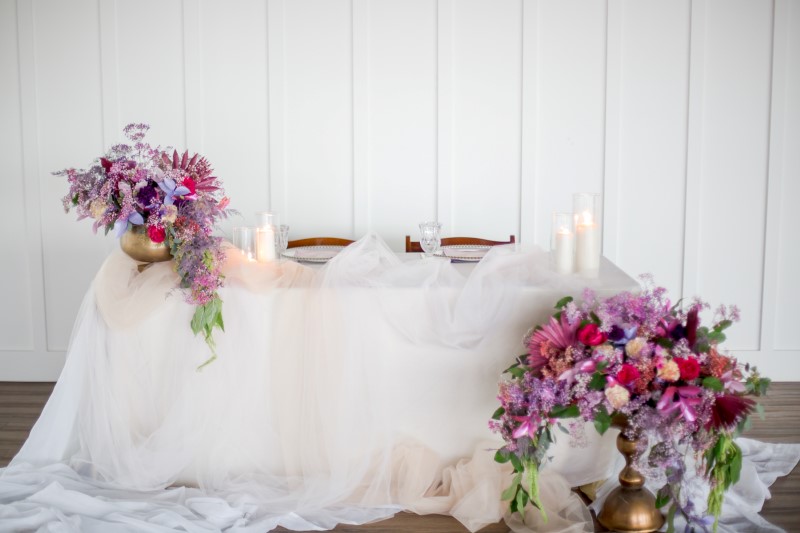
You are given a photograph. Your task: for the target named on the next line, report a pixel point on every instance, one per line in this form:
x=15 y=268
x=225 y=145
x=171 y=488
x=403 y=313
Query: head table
x=341 y=394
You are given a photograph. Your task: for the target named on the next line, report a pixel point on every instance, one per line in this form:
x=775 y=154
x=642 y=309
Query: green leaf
x=197 y=319
x=522 y=500
x=563 y=302
x=710 y=382
x=511 y=491
x=702 y=346
x=665 y=342
x=598 y=381
x=716 y=337
x=663 y=497
x=735 y=465
x=517 y=372
x=595 y=318
x=563 y=429
x=602 y=420
x=560 y=411
x=602 y=365
x=502 y=455
x=500 y=411
x=516 y=463
x=725 y=324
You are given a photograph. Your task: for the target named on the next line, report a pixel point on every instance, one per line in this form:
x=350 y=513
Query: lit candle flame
x=587 y=218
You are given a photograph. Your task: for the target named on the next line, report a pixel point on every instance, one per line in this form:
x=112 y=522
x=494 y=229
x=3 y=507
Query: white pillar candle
x=265 y=244
x=587 y=249
x=565 y=251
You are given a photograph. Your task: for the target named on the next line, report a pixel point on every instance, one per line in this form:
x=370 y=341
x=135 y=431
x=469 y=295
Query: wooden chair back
x=414 y=246
x=319 y=241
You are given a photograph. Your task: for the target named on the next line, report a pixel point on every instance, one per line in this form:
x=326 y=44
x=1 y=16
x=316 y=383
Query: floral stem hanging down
x=176 y=198
x=639 y=357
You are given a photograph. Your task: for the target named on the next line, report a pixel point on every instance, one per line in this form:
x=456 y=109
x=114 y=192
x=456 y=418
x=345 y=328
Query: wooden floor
x=21 y=403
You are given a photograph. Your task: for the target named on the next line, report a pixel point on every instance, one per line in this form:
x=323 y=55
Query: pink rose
x=689 y=368
x=590 y=335
x=156 y=234
x=627 y=374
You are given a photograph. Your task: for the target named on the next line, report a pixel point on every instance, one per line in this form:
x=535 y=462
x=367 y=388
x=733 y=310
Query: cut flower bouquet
x=638 y=358
x=176 y=198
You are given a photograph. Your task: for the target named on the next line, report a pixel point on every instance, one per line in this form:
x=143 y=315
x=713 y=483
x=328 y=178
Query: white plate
x=463 y=252
x=313 y=254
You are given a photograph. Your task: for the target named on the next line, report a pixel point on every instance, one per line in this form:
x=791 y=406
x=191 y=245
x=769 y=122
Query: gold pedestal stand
x=630 y=508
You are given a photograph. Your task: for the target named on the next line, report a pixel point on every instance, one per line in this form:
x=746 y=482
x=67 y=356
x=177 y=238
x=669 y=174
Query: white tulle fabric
x=342 y=394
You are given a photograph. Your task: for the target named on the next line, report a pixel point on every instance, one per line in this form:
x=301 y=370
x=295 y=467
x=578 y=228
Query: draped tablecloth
x=342 y=394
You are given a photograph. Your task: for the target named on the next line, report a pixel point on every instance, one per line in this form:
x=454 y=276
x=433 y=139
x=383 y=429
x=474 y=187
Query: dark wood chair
x=414 y=246
x=319 y=241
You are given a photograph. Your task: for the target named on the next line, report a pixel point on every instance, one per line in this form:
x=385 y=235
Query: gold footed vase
x=137 y=244
x=630 y=508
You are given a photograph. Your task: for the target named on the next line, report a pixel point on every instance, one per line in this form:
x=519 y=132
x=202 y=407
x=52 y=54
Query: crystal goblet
x=430 y=240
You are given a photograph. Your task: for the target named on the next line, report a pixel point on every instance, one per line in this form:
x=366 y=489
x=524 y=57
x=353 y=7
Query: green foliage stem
x=723 y=467
x=206 y=318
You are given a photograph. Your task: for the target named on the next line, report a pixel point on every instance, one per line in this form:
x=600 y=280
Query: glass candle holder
x=562 y=243
x=586 y=213
x=244 y=238
x=265 y=236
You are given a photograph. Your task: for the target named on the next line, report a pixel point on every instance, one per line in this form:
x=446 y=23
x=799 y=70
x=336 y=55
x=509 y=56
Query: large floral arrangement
x=639 y=357
x=176 y=198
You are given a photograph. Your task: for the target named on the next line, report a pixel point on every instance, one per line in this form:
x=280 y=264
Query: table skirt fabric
x=341 y=394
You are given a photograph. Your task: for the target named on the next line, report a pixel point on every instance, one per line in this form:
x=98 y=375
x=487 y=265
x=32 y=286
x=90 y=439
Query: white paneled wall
x=353 y=115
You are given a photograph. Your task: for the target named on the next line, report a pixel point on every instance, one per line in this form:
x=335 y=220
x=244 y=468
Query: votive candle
x=587 y=243
x=265 y=244
x=563 y=244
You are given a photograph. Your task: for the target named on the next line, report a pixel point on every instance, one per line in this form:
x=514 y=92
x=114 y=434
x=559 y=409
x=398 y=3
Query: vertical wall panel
x=234 y=67
x=402 y=117
x=786 y=112
x=571 y=100
x=68 y=91
x=529 y=133
x=150 y=59
x=16 y=320
x=319 y=117
x=652 y=100
x=487 y=114
x=732 y=192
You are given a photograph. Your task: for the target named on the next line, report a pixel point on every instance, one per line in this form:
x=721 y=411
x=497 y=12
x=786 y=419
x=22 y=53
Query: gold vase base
x=136 y=243
x=631 y=511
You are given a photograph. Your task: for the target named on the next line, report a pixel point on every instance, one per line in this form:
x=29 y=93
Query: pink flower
x=555 y=334
x=689 y=367
x=627 y=374
x=590 y=335
x=189 y=184
x=156 y=234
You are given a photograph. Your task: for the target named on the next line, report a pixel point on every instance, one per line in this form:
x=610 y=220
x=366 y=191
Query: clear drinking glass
x=282 y=238
x=429 y=238
x=244 y=238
